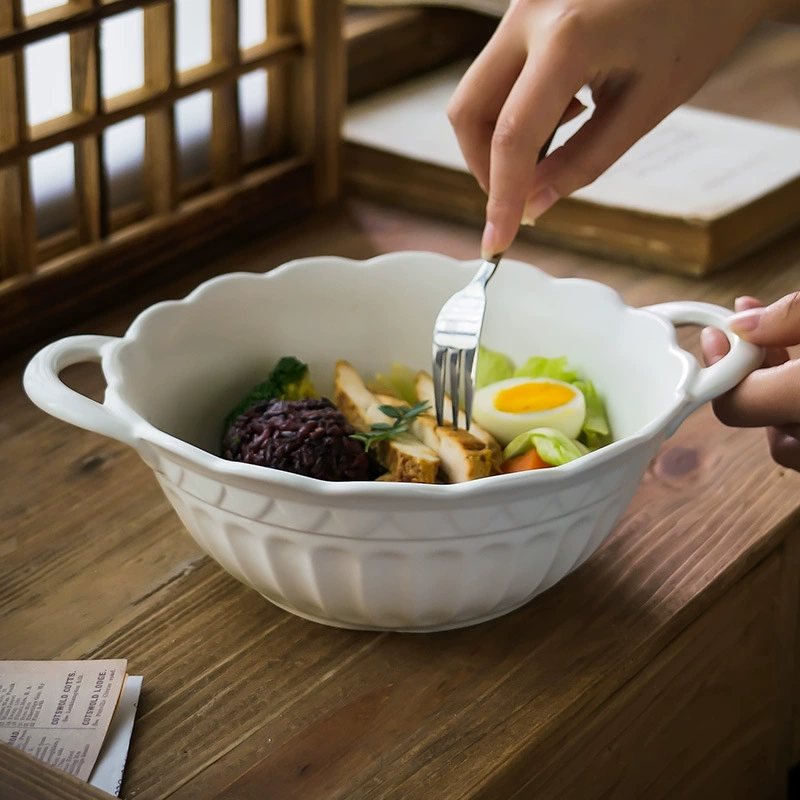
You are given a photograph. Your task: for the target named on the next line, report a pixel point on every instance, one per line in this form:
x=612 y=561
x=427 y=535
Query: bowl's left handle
x=735 y=366
x=44 y=386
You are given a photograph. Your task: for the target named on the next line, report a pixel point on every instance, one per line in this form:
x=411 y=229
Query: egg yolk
x=532 y=397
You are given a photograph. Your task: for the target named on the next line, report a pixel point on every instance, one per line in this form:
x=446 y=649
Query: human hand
x=770 y=396
x=641 y=58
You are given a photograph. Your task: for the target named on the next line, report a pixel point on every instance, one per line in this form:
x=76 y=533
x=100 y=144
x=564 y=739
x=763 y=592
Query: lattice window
x=247 y=171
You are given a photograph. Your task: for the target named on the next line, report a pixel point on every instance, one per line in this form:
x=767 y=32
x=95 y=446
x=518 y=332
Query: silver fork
x=457 y=334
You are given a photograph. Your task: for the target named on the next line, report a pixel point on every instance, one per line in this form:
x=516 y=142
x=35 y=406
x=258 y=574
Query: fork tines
x=456 y=336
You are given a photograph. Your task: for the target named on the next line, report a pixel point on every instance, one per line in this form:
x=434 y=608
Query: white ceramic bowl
x=384 y=555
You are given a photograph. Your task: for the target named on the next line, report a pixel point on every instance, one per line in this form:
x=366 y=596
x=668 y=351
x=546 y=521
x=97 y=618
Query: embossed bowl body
x=383 y=555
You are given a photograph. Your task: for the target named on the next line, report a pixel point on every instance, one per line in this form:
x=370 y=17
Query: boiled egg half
x=516 y=405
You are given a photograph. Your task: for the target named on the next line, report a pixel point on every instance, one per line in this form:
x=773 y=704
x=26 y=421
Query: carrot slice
x=529 y=460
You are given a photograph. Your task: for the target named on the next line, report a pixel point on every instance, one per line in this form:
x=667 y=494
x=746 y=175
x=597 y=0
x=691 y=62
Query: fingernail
x=489 y=245
x=539 y=203
x=745 y=321
x=526 y=220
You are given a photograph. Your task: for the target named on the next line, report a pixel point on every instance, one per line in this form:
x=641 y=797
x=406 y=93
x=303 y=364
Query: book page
x=696 y=165
x=59 y=711
x=110 y=766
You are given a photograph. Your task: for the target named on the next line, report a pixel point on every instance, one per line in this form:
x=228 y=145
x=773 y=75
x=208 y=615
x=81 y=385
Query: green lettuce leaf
x=400 y=382
x=552 y=446
x=540 y=367
x=596 y=431
x=492 y=367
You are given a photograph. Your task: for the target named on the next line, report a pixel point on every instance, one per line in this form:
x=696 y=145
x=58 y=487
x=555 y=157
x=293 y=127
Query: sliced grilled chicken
x=464 y=457
x=408 y=459
x=426 y=393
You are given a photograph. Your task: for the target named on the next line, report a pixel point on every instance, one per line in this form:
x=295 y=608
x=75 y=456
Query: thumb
x=777 y=325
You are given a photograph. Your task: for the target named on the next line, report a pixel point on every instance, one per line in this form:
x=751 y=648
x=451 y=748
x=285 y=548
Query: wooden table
x=663 y=667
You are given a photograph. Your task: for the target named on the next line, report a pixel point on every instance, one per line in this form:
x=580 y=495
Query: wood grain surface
x=695 y=685
x=22 y=778
x=663 y=665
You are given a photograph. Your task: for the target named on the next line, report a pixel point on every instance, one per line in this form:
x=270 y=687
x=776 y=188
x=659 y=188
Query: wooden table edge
x=23 y=777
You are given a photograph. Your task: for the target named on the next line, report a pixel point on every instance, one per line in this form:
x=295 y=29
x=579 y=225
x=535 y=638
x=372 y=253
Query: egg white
x=504 y=426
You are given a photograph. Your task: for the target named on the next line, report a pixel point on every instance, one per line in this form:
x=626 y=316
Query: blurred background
x=134 y=132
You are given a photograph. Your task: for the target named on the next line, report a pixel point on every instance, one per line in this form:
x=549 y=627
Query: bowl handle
x=43 y=386
x=710 y=382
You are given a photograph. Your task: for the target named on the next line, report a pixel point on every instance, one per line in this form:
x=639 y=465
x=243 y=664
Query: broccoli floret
x=288 y=370
x=289 y=380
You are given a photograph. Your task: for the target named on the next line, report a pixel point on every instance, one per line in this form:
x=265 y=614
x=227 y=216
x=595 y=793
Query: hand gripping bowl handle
x=43 y=386
x=710 y=382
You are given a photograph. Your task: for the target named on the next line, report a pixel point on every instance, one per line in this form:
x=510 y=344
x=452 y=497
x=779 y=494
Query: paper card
x=110 y=766
x=59 y=711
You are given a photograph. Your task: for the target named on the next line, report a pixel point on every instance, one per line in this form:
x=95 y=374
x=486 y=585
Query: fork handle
x=486 y=270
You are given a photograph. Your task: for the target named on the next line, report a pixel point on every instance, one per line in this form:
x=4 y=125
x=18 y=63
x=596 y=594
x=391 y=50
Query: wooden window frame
x=49 y=284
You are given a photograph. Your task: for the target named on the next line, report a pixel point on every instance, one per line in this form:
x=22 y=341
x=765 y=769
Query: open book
x=696 y=193
x=76 y=716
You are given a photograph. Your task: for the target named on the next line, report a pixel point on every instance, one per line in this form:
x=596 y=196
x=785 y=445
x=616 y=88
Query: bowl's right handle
x=44 y=386
x=710 y=382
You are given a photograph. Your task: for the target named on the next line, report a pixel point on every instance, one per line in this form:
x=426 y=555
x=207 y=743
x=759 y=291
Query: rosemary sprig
x=403 y=416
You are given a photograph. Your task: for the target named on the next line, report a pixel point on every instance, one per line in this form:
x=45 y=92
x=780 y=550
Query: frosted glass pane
x=193 y=34
x=253 y=105
x=47 y=76
x=252 y=23
x=122 y=43
x=193 y=131
x=124 y=158
x=30 y=7
x=53 y=187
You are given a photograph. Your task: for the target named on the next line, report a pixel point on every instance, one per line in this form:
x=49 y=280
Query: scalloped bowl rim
x=492 y=485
